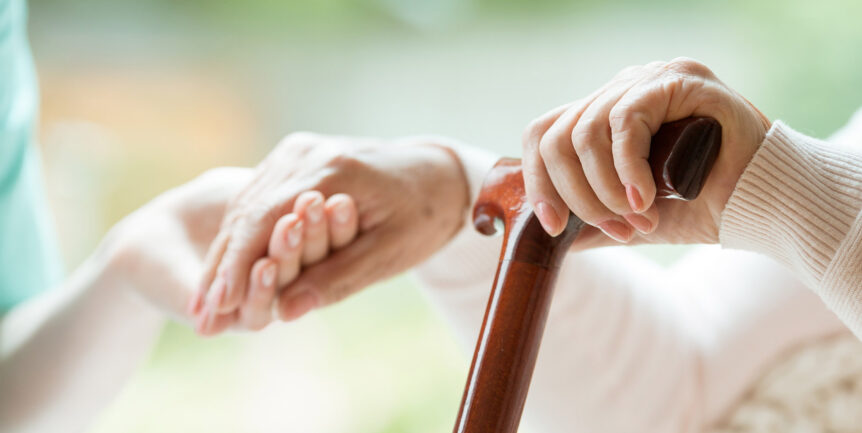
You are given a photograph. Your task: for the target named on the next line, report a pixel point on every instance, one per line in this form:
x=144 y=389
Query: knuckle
x=532 y=134
x=586 y=137
x=343 y=165
x=620 y=117
x=258 y=214
x=534 y=182
x=688 y=66
x=233 y=216
x=549 y=148
x=251 y=220
x=344 y=161
x=628 y=71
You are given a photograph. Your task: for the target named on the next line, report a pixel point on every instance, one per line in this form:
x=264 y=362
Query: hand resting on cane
x=590 y=156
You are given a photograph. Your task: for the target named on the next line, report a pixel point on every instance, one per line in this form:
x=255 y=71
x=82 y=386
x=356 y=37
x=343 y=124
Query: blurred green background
x=139 y=96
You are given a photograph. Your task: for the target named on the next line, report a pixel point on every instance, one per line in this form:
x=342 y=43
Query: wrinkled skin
x=590 y=156
x=411 y=197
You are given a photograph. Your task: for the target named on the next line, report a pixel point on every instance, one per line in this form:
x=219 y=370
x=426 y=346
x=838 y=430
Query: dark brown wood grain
x=682 y=155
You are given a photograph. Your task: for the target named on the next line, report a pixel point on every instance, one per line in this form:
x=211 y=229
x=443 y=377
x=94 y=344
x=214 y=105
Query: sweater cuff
x=797 y=202
x=477 y=163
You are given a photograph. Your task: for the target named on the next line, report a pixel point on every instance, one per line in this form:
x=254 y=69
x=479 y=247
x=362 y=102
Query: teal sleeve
x=29 y=260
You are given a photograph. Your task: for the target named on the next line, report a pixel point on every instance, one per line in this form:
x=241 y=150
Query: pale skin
x=386 y=207
x=410 y=198
x=316 y=226
x=91 y=332
x=590 y=156
x=587 y=157
x=54 y=345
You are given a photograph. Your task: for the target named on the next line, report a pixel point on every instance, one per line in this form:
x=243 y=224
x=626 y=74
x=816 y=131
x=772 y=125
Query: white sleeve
x=630 y=346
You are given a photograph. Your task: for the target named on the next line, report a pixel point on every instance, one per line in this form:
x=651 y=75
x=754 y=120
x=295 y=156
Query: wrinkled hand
x=411 y=197
x=590 y=156
x=316 y=226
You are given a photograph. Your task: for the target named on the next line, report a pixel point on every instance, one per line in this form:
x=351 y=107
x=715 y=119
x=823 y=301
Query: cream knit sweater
x=799 y=202
x=631 y=346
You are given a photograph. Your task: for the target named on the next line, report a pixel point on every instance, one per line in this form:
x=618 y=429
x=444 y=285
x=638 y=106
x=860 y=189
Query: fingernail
x=216 y=293
x=268 y=275
x=195 y=303
x=342 y=213
x=299 y=305
x=616 y=230
x=548 y=217
x=294 y=235
x=315 y=210
x=201 y=321
x=639 y=222
x=635 y=200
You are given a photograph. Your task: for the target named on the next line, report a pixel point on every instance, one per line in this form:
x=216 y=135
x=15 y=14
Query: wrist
x=447 y=176
x=107 y=259
x=458 y=175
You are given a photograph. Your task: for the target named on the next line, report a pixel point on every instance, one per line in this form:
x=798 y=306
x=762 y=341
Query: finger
x=213 y=257
x=591 y=139
x=248 y=238
x=564 y=168
x=343 y=220
x=250 y=235
x=285 y=247
x=256 y=311
x=310 y=207
x=365 y=261
x=549 y=207
x=215 y=297
x=208 y=324
x=541 y=194
x=633 y=120
x=645 y=222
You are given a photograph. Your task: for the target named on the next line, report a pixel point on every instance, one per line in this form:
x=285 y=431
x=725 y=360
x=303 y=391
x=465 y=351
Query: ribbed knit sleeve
x=799 y=201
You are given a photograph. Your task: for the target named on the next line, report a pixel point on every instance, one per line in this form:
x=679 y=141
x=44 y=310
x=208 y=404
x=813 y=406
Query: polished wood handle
x=681 y=156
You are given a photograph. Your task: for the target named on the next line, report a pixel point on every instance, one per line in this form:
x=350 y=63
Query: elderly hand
x=411 y=197
x=590 y=156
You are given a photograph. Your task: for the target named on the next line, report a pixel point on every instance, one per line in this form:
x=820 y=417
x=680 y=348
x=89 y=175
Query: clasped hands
x=323 y=216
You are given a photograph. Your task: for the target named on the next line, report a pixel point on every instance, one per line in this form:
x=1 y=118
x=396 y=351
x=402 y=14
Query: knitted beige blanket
x=818 y=388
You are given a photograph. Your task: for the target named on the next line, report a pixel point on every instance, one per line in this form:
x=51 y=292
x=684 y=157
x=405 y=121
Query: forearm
x=67 y=353
x=800 y=202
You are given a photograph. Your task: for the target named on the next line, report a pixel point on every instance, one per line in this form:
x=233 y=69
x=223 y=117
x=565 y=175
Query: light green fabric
x=29 y=261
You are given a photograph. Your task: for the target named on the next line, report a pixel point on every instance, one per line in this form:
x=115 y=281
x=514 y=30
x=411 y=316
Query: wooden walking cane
x=681 y=157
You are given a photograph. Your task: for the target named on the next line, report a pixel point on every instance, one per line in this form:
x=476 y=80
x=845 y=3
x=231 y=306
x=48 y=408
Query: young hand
x=159 y=249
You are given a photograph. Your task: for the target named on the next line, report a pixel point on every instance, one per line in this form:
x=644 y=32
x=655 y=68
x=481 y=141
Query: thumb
x=372 y=257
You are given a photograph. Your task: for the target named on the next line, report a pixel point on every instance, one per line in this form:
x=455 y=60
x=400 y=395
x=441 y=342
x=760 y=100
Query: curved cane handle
x=682 y=154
